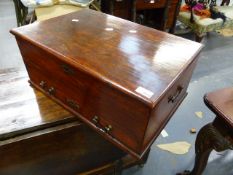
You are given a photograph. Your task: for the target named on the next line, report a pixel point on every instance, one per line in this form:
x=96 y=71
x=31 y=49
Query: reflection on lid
x=132 y=31
x=75 y=20
x=109 y=29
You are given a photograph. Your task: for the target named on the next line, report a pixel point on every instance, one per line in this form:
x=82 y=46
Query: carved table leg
x=208 y=138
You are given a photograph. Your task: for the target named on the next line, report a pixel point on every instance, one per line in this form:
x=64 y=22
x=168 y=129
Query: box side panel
x=164 y=110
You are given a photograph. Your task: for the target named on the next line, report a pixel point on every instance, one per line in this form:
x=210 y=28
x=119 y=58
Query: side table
x=217 y=135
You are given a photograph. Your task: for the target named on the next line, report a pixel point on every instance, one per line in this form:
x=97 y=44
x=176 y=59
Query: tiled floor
x=214 y=70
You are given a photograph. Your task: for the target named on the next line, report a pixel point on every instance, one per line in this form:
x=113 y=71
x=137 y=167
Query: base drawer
x=55 y=89
x=121 y=124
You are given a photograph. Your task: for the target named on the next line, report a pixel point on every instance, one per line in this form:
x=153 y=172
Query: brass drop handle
x=42 y=84
x=95 y=119
x=108 y=128
x=173 y=98
x=105 y=129
x=51 y=91
x=72 y=104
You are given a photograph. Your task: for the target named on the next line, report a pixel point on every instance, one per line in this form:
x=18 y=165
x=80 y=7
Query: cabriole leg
x=208 y=138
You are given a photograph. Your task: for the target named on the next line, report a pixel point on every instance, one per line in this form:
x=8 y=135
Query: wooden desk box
x=122 y=79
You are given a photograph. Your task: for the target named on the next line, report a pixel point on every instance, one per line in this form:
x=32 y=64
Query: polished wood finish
x=94 y=67
x=221 y=102
x=40 y=137
x=217 y=135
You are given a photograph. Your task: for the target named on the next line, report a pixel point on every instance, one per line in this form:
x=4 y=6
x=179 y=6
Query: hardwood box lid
x=135 y=59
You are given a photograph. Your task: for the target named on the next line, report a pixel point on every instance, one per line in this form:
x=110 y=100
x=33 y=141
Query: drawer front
x=150 y=4
x=55 y=69
x=65 y=94
x=72 y=84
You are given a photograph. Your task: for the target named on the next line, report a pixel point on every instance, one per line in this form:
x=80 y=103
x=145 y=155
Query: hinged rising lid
x=136 y=59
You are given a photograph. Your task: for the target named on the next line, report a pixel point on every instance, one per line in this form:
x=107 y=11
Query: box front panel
x=117 y=116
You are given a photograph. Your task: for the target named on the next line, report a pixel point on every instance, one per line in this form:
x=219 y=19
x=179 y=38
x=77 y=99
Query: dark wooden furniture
x=225 y=2
x=163 y=13
x=218 y=135
x=37 y=136
x=122 y=79
x=123 y=9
